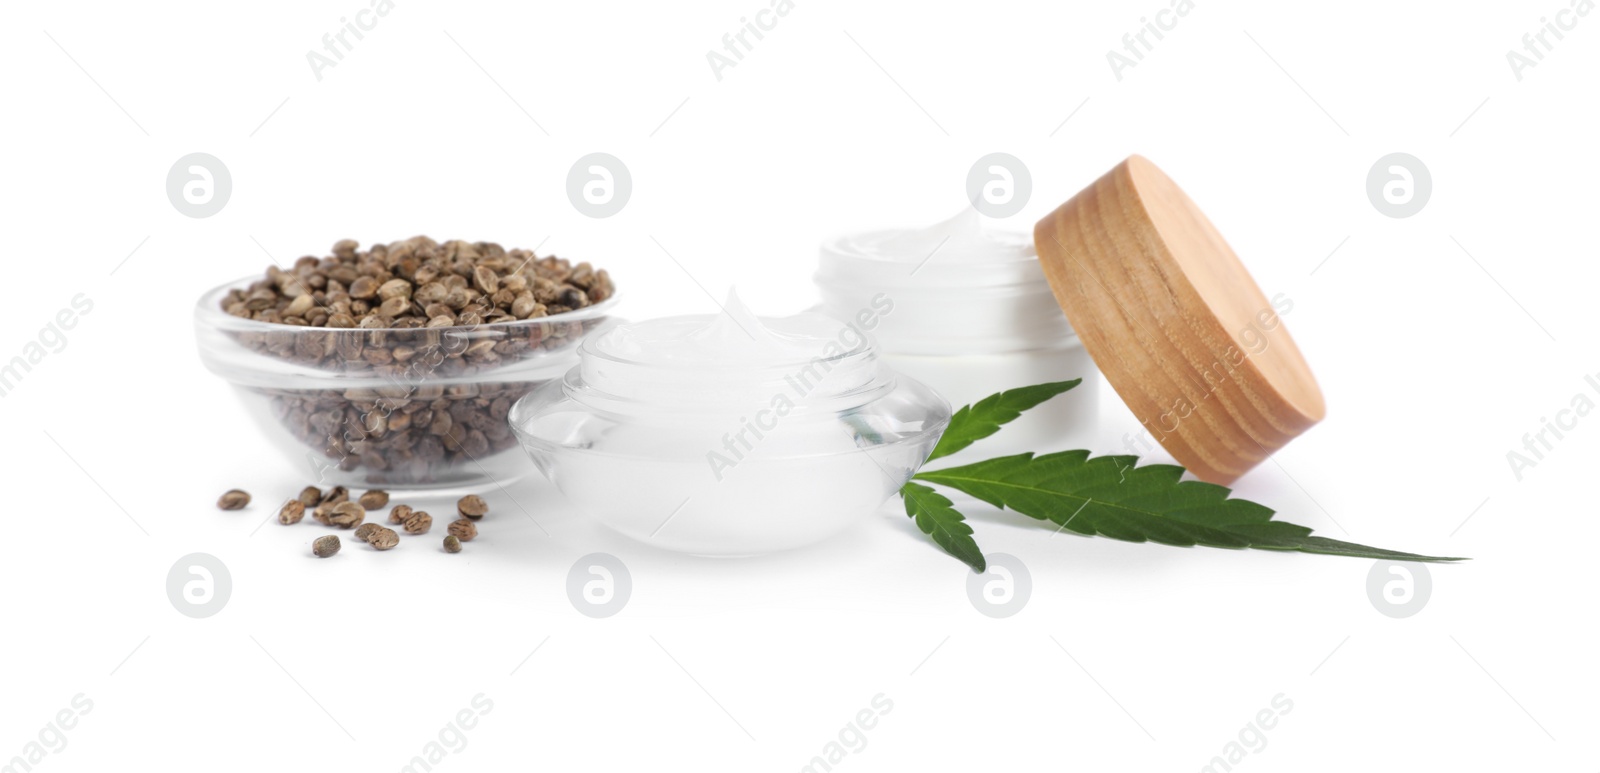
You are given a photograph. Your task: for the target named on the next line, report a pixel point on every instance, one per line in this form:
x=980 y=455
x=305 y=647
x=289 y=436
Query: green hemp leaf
x=1108 y=496
x=985 y=417
x=938 y=519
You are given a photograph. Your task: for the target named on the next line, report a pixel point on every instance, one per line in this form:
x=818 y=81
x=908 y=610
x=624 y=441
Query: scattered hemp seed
x=348 y=515
x=335 y=495
x=234 y=499
x=399 y=514
x=311 y=496
x=323 y=513
x=452 y=544
x=463 y=530
x=418 y=522
x=325 y=546
x=383 y=539
x=374 y=499
x=293 y=510
x=365 y=530
x=472 y=506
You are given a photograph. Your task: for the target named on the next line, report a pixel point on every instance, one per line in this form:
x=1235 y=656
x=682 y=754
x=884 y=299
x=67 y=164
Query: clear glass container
x=404 y=409
x=966 y=310
x=680 y=433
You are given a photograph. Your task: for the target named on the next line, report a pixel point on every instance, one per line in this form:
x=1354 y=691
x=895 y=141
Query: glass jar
x=966 y=310
x=729 y=434
x=400 y=409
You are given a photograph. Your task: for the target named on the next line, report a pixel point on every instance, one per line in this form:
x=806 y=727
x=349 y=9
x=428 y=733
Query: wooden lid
x=1177 y=325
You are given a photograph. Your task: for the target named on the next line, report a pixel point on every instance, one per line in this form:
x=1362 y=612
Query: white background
x=1434 y=361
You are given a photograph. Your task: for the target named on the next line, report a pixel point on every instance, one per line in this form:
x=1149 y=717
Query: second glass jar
x=965 y=309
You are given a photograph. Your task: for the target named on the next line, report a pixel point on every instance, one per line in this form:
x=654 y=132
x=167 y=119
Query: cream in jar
x=731 y=434
x=972 y=315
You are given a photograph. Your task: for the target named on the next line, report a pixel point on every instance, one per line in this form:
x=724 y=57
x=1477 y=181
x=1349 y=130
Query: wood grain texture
x=1175 y=322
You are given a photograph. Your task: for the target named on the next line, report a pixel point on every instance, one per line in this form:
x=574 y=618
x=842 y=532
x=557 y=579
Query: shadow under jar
x=398 y=408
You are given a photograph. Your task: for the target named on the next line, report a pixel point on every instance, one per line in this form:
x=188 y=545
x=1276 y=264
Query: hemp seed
x=365 y=530
x=472 y=506
x=463 y=530
x=383 y=539
x=378 y=312
x=452 y=544
x=233 y=499
x=418 y=522
x=400 y=513
x=348 y=515
x=374 y=499
x=336 y=495
x=293 y=510
x=311 y=496
x=325 y=546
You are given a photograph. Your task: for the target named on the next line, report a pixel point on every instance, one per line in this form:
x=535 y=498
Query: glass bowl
x=679 y=455
x=404 y=409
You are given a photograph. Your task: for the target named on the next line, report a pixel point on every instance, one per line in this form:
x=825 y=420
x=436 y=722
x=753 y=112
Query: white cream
x=961 y=239
x=730 y=433
x=731 y=362
x=736 y=335
x=973 y=315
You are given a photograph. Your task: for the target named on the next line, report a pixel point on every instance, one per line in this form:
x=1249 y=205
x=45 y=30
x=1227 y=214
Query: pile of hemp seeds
x=410 y=313
x=335 y=508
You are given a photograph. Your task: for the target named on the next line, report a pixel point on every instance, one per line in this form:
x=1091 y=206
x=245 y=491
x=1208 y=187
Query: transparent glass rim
x=588 y=348
x=593 y=398
x=838 y=263
x=555 y=392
